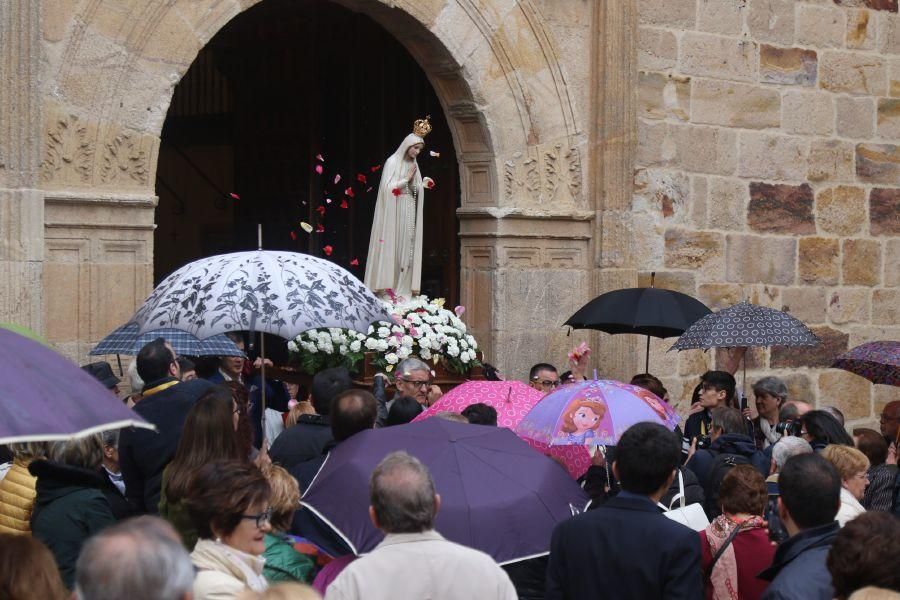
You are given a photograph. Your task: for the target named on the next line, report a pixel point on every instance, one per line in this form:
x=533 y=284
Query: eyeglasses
x=548 y=382
x=416 y=383
x=260 y=519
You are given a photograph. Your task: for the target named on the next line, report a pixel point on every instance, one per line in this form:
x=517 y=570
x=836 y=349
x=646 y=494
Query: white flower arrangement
x=421 y=327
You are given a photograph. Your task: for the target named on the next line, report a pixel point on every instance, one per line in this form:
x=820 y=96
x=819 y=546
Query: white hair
x=788 y=447
x=408 y=365
x=134 y=380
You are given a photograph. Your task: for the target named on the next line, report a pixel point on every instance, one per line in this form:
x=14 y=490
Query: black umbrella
x=648 y=311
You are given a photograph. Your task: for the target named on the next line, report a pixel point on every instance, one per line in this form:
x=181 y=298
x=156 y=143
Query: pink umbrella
x=512 y=400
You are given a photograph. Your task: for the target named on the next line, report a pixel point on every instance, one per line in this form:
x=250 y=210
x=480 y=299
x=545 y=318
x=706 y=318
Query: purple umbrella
x=879 y=362
x=498 y=495
x=45 y=397
x=593 y=413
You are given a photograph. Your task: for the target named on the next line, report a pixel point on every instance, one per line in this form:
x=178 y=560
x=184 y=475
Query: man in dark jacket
x=810 y=490
x=306 y=440
x=716 y=389
x=730 y=446
x=143 y=454
x=626 y=548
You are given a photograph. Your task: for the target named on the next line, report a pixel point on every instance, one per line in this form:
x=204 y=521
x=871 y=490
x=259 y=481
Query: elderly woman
x=770 y=394
x=229 y=505
x=283 y=562
x=853 y=467
x=735 y=547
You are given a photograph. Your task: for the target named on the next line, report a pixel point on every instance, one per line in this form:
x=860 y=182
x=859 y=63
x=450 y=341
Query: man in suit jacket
x=627 y=548
x=143 y=454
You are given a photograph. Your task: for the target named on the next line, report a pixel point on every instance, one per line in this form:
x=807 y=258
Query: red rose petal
x=320 y=210
x=344 y=204
x=235 y=196
x=354 y=263
x=327 y=250
x=375 y=168
x=360 y=178
x=319 y=169
x=349 y=192
x=396 y=191
x=293 y=235
x=320 y=228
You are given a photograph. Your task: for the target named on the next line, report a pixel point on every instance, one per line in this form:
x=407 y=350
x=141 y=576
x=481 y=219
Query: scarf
x=212 y=555
x=768 y=432
x=724 y=577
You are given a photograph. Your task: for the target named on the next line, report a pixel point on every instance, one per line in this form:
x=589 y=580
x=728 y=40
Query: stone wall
x=768 y=168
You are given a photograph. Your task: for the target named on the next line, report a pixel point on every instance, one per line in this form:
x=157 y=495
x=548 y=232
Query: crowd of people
x=780 y=502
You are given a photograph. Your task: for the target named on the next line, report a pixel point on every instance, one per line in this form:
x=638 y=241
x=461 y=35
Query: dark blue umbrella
x=45 y=397
x=127 y=340
x=498 y=494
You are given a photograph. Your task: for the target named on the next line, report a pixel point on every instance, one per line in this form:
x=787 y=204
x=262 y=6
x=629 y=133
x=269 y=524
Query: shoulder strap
x=721 y=550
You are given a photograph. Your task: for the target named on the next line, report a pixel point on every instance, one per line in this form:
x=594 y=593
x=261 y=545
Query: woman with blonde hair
x=853 y=467
x=17 y=488
x=283 y=562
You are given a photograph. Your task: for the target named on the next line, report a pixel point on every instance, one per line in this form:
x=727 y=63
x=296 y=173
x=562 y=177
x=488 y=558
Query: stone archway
x=107 y=82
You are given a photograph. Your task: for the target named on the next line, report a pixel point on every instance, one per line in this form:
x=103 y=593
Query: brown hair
x=222 y=492
x=650 y=383
x=872 y=444
x=743 y=490
x=244 y=427
x=208 y=435
x=569 y=416
x=28 y=570
x=848 y=461
x=285 y=497
x=864 y=554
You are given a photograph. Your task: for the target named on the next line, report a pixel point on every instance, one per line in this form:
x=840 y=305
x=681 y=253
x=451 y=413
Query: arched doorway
x=281 y=83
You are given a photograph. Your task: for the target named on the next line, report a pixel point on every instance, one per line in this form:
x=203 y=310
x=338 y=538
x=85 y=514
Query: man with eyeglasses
x=413 y=378
x=543 y=377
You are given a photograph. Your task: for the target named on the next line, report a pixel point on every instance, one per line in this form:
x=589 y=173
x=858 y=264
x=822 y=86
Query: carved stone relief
x=68 y=148
x=123 y=158
x=542 y=173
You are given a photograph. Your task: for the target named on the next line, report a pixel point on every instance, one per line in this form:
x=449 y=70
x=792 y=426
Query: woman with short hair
x=853 y=467
x=229 y=506
x=735 y=547
x=770 y=394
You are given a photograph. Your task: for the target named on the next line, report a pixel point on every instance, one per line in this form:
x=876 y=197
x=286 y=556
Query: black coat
x=68 y=509
x=121 y=508
x=625 y=549
x=304 y=441
x=799 y=569
x=143 y=454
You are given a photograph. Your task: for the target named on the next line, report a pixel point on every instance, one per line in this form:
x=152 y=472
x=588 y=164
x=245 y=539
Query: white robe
x=395 y=245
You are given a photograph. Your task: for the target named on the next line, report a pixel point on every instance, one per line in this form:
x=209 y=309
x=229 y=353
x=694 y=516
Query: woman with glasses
x=229 y=505
x=853 y=466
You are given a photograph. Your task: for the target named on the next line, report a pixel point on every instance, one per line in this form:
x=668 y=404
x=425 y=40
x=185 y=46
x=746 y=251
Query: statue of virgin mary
x=395 y=245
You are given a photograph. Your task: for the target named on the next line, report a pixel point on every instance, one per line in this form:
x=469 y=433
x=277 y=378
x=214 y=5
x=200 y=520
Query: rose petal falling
x=327 y=250
x=349 y=192
x=306 y=227
x=337 y=179
x=368 y=189
x=344 y=204
x=375 y=168
x=320 y=228
x=320 y=209
x=319 y=169
x=327 y=200
x=360 y=178
x=293 y=235
x=354 y=262
x=235 y=196
x=319 y=158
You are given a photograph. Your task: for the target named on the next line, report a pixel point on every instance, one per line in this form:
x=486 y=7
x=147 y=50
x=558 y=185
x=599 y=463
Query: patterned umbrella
x=127 y=340
x=512 y=400
x=593 y=413
x=879 y=362
x=282 y=293
x=746 y=325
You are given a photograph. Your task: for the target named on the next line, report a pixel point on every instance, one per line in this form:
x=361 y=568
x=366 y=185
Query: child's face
x=585 y=418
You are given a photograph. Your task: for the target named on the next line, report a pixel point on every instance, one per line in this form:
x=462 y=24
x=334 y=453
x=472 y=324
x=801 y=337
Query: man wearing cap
x=102 y=372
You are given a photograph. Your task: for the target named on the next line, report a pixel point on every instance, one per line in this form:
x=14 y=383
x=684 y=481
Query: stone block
x=657 y=49
x=655 y=144
x=810 y=113
x=719 y=295
x=727 y=205
x=886 y=307
x=780 y=208
x=800 y=388
x=819 y=261
x=860 y=334
x=719 y=57
x=699 y=200
x=680 y=14
x=686 y=283
x=894 y=79
x=767 y=156
x=889 y=118
x=721 y=16
x=831 y=160
x=889 y=34
x=841 y=210
x=878 y=163
x=888 y=5
x=820 y=26
x=698 y=250
x=861 y=30
x=760 y=259
x=850 y=393
x=834 y=342
x=852 y=73
x=861 y=262
x=806 y=303
x=734 y=104
x=693 y=362
x=855 y=117
x=884 y=211
x=648 y=248
x=664 y=96
x=771 y=20
x=662 y=193
x=892 y=262
x=702 y=149
x=849 y=306
x=790 y=66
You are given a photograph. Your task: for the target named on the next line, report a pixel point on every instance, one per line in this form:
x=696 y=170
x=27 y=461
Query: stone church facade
x=737 y=148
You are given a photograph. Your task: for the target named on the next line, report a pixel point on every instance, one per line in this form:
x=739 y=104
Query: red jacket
x=753 y=552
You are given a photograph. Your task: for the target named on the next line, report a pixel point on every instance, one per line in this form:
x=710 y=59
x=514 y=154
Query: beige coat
x=414 y=566
x=223 y=572
x=17 y=499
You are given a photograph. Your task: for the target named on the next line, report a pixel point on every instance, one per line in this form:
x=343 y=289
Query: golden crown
x=422 y=127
